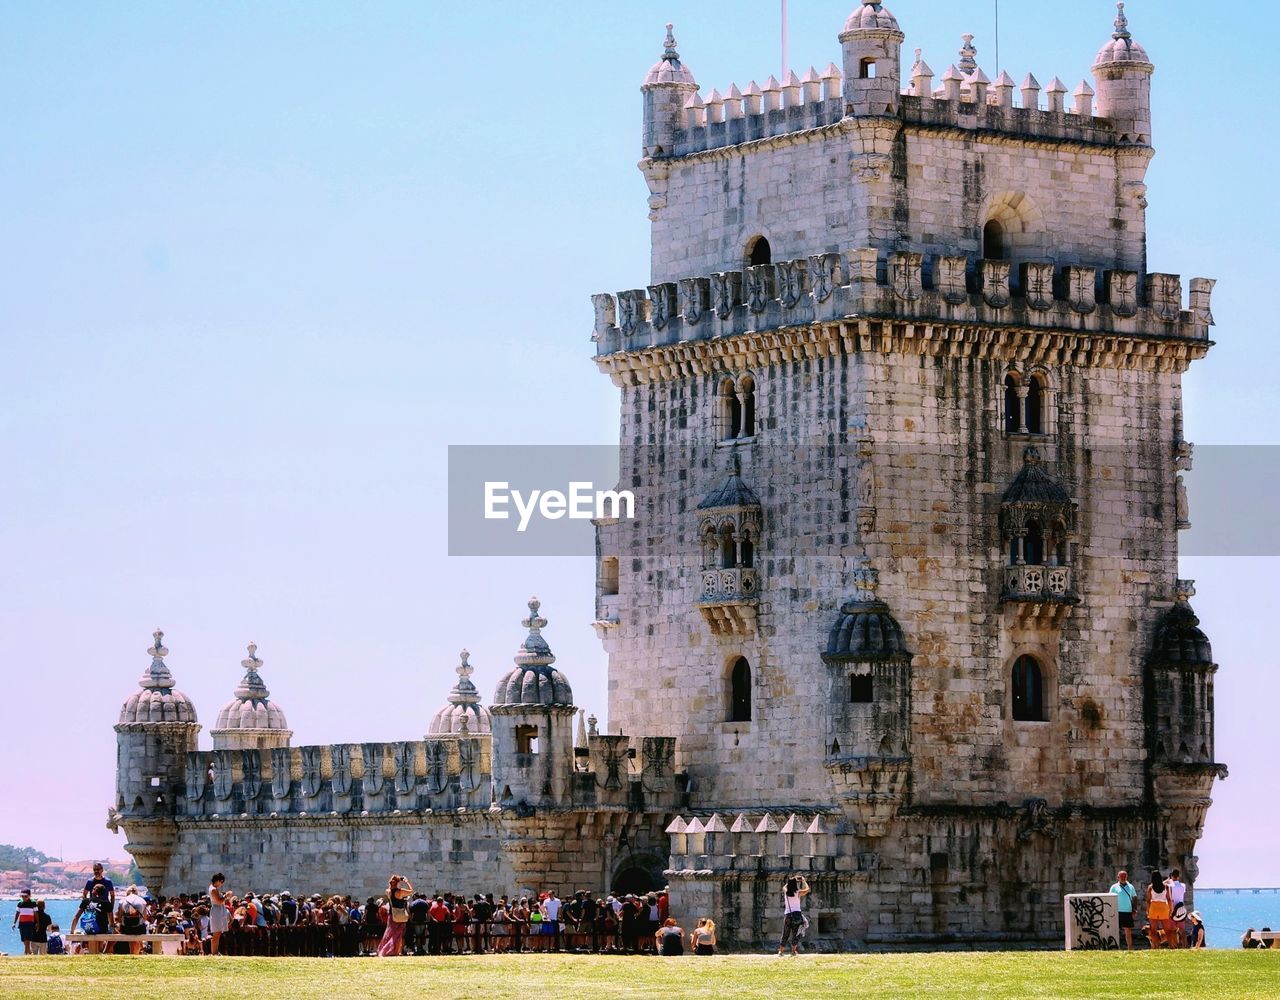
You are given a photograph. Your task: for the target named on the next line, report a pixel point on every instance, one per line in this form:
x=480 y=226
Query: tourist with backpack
x=131 y=917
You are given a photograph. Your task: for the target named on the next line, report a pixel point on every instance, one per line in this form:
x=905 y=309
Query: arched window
x=728 y=548
x=740 y=691
x=730 y=411
x=747 y=400
x=994 y=245
x=1028 y=690
x=1012 y=414
x=760 y=252
x=1035 y=405
x=1033 y=545
x=748 y=551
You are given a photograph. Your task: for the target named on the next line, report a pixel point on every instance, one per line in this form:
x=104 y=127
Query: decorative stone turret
x=1122 y=72
x=667 y=87
x=250 y=719
x=872 y=43
x=156 y=730
x=1038 y=519
x=1179 y=703
x=868 y=741
x=533 y=725
x=464 y=715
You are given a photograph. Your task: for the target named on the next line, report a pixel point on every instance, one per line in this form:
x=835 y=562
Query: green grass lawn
x=1195 y=975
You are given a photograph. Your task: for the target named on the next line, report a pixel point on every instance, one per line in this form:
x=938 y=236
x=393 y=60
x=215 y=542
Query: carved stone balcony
x=1038 y=588
x=728 y=600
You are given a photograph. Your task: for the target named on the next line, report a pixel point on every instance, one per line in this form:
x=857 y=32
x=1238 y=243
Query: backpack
x=55 y=945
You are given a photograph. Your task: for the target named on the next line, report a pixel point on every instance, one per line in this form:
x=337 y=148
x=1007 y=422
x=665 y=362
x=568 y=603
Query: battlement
x=940 y=290
x=815 y=103
x=451 y=774
x=766 y=843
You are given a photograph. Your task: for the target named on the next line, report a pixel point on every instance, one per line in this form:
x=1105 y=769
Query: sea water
x=1227 y=914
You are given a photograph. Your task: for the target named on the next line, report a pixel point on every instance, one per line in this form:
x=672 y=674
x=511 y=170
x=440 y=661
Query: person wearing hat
x=1196 y=934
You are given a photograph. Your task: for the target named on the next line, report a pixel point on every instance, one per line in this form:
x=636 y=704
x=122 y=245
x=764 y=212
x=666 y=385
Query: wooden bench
x=170 y=944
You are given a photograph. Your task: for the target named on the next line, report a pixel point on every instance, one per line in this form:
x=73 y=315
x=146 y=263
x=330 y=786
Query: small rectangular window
x=861 y=691
x=608 y=576
x=828 y=923
x=868 y=69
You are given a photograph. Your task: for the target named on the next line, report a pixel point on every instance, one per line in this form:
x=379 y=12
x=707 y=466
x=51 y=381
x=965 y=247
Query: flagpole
x=784 y=39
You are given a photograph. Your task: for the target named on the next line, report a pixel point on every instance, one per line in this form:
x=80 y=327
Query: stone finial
x=968 y=55
x=581 y=740
x=593 y=725
x=1030 y=92
x=733 y=103
x=669 y=52
x=465 y=691
x=1031 y=456
x=1122 y=23
x=952 y=80
x=157 y=675
x=752 y=99
x=534 y=651
x=251 y=685
x=1184 y=590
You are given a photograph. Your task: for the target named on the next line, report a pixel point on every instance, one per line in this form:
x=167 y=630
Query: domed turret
x=1122 y=75
x=533 y=681
x=158 y=700
x=156 y=731
x=1180 y=676
x=463 y=715
x=666 y=87
x=250 y=719
x=872 y=44
x=533 y=725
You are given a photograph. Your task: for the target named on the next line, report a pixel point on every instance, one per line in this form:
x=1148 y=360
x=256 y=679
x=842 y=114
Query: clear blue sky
x=262 y=262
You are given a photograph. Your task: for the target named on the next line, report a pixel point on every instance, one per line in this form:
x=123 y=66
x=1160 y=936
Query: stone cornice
x=871 y=336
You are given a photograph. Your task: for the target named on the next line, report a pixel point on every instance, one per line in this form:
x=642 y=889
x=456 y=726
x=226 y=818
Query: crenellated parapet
x=942 y=296
x=765 y=843
x=446 y=773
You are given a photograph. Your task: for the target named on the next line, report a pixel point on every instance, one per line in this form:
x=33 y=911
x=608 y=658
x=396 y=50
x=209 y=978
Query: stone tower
x=156 y=730
x=901 y=404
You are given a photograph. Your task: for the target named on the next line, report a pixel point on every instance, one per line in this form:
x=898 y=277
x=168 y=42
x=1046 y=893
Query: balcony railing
x=1038 y=583
x=726 y=585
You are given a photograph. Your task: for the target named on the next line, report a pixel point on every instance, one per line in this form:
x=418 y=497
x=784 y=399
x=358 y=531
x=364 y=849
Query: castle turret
x=463 y=715
x=533 y=724
x=1122 y=72
x=872 y=43
x=156 y=730
x=250 y=720
x=666 y=88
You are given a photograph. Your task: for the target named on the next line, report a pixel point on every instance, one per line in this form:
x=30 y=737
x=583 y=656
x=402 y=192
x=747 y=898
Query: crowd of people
x=401 y=921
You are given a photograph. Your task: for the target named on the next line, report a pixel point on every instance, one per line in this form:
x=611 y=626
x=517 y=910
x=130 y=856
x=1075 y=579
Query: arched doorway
x=638 y=874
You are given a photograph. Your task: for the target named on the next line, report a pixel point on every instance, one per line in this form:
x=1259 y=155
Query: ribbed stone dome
x=871 y=15
x=158 y=700
x=251 y=708
x=1178 y=639
x=864 y=631
x=1032 y=485
x=534 y=681
x=669 y=69
x=463 y=714
x=1122 y=48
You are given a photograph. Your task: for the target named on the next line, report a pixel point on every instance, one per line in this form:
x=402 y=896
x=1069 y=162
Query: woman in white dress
x=219 y=916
